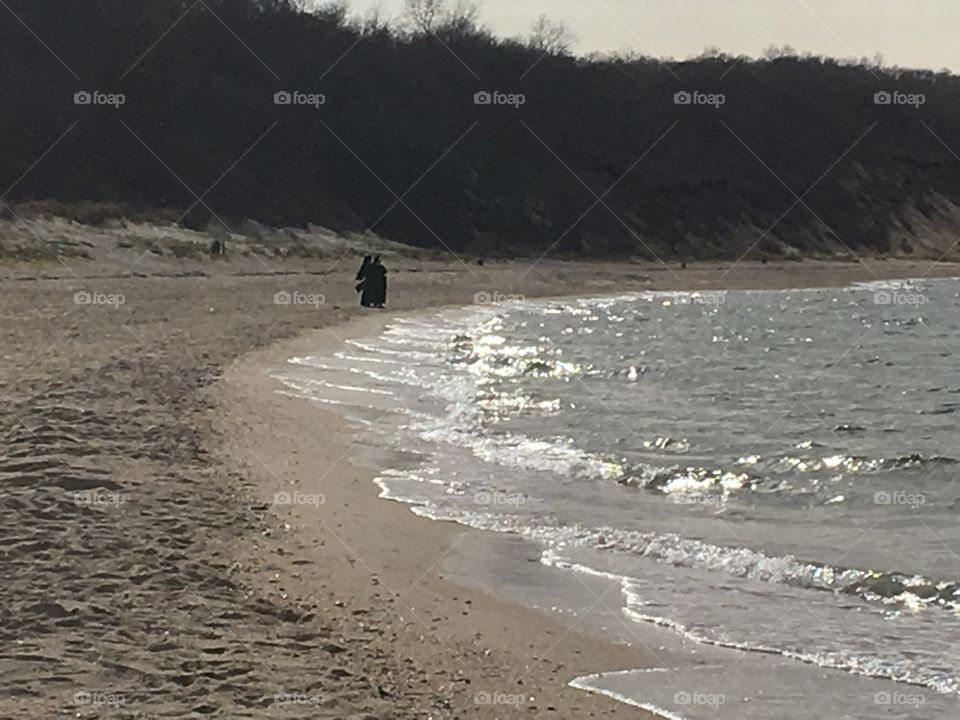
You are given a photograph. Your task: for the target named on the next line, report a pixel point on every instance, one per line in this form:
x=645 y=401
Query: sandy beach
x=147 y=571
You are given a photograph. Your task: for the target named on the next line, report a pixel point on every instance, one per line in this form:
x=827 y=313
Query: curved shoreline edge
x=194 y=594
x=369 y=550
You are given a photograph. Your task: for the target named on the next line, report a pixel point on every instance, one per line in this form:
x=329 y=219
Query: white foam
x=587 y=682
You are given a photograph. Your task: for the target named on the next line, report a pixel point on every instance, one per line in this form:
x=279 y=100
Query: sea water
x=770 y=476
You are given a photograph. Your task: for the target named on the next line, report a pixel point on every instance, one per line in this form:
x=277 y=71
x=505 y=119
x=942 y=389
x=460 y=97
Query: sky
x=908 y=33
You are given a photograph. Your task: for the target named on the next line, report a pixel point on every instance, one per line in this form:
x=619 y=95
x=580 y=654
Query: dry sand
x=145 y=571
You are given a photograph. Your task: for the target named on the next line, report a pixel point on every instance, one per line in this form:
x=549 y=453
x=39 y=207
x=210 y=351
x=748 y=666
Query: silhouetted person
x=363 y=284
x=377 y=277
x=215 y=248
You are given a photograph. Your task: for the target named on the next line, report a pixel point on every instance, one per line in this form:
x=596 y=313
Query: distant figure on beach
x=377 y=274
x=363 y=282
x=216 y=249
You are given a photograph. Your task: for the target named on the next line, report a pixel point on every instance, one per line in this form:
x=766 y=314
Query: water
x=773 y=472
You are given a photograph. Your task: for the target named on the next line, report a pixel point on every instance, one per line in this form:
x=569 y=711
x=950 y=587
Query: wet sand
x=146 y=571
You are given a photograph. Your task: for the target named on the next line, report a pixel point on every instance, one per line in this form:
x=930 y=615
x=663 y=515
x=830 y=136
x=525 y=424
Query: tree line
x=436 y=132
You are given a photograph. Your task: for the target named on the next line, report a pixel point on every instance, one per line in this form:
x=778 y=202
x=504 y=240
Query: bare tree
x=424 y=16
x=336 y=11
x=551 y=36
x=328 y=8
x=773 y=52
x=436 y=17
x=462 y=19
x=372 y=23
x=710 y=51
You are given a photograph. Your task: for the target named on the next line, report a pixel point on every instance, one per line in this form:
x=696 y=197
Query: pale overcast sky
x=909 y=33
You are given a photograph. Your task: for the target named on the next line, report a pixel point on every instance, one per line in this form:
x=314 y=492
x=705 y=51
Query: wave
x=846 y=659
x=766 y=475
x=890 y=590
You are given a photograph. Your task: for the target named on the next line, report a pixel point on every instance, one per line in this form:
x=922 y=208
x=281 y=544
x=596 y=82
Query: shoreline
x=523 y=648
x=190 y=596
x=586 y=654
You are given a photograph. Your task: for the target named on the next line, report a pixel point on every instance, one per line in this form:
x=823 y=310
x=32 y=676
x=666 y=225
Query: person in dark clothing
x=377 y=275
x=363 y=285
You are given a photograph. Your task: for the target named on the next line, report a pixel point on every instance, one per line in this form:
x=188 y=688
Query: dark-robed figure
x=363 y=287
x=372 y=283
